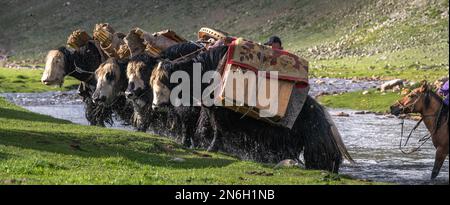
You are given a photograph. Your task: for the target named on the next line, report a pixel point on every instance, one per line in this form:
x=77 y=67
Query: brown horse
x=435 y=116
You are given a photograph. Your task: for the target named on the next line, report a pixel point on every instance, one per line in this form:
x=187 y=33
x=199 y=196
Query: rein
x=72 y=62
x=187 y=56
x=424 y=139
x=78 y=69
x=81 y=71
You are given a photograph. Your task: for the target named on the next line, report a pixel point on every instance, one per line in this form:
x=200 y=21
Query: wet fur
x=220 y=129
x=141 y=67
x=88 y=58
x=112 y=71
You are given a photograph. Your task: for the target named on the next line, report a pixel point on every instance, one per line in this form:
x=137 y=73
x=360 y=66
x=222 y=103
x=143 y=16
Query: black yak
x=80 y=64
x=117 y=80
x=139 y=70
x=220 y=129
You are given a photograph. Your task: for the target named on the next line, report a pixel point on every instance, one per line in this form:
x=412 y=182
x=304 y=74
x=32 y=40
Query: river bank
x=40 y=149
x=371 y=139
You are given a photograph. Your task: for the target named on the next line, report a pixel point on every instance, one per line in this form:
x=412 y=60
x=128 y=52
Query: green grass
x=37 y=149
x=426 y=63
x=28 y=80
x=375 y=101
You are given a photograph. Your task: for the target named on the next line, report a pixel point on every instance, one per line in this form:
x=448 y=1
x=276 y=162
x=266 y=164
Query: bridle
x=81 y=71
x=70 y=62
x=411 y=107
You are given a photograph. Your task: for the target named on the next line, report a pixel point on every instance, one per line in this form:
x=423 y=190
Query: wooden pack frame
x=232 y=101
x=157 y=42
x=78 y=38
x=111 y=42
x=205 y=33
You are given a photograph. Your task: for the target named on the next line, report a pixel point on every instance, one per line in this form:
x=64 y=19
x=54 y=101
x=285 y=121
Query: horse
x=220 y=129
x=435 y=116
x=79 y=64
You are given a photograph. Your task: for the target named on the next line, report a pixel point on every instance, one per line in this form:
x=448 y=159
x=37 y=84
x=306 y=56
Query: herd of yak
x=127 y=89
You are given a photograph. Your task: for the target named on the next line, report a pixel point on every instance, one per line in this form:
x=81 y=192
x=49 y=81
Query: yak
x=116 y=80
x=220 y=129
x=80 y=64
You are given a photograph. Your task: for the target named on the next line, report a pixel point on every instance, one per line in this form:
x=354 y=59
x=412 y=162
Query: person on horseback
x=444 y=92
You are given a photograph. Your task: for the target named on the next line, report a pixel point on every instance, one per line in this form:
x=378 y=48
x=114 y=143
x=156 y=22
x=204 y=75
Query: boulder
x=342 y=114
x=396 y=88
x=319 y=82
x=391 y=84
x=287 y=163
x=405 y=91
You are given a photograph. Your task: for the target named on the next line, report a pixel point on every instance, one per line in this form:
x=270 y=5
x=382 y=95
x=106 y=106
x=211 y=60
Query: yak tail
x=337 y=137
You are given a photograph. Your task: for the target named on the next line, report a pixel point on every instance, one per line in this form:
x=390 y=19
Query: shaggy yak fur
x=88 y=58
x=119 y=107
x=142 y=66
x=220 y=129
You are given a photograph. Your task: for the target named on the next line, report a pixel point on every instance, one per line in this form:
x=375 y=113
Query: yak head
x=56 y=64
x=159 y=81
x=110 y=78
x=139 y=69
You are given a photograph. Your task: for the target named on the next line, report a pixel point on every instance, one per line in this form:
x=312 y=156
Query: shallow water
x=372 y=140
x=63 y=105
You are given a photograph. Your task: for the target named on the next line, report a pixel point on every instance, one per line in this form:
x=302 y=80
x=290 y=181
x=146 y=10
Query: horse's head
x=55 y=67
x=414 y=102
x=110 y=78
x=139 y=70
x=160 y=83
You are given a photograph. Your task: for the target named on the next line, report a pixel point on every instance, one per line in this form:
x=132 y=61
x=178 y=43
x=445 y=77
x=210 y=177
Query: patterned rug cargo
x=253 y=72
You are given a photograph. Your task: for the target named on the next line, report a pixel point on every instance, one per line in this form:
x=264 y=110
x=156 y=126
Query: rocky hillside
x=317 y=29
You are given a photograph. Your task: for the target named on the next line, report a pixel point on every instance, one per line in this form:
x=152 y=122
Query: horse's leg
x=441 y=153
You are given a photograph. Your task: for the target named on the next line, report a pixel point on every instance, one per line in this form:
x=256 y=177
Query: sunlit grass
x=38 y=149
x=29 y=80
x=374 y=101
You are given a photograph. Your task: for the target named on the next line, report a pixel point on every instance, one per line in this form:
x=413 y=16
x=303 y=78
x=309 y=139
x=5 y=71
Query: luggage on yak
x=247 y=56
